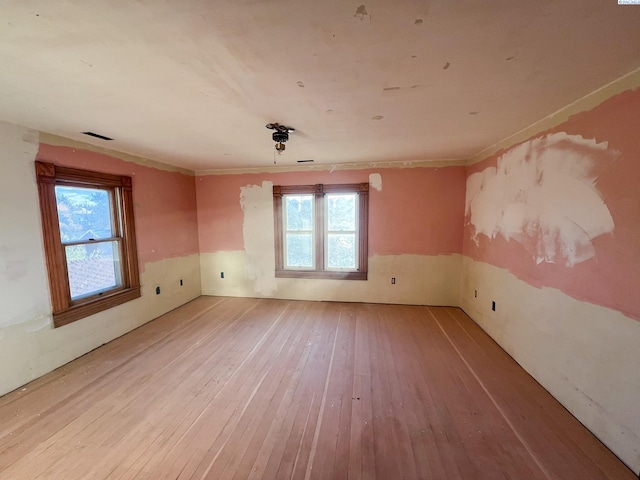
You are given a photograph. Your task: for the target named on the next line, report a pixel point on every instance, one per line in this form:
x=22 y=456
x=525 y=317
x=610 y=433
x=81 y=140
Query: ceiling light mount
x=280 y=135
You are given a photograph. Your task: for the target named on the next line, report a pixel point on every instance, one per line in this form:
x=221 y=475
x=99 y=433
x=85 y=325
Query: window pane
x=299 y=212
x=341 y=250
x=93 y=268
x=299 y=250
x=341 y=212
x=84 y=213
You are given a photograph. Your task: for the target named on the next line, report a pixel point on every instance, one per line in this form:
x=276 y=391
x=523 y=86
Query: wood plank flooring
x=237 y=388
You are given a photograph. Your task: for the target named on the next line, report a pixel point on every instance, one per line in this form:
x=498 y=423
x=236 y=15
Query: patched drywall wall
x=561 y=209
x=375 y=181
x=257 y=227
x=543 y=194
x=24 y=291
x=167 y=243
x=551 y=236
x=415 y=236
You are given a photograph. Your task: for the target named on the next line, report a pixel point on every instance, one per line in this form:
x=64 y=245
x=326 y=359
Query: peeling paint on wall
x=257 y=229
x=375 y=180
x=543 y=195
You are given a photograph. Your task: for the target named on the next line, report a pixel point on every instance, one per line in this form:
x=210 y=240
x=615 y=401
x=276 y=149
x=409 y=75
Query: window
x=321 y=231
x=89 y=240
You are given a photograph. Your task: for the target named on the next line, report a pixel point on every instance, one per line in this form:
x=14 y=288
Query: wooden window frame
x=319 y=191
x=66 y=310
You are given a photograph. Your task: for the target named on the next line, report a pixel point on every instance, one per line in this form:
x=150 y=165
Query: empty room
x=320 y=240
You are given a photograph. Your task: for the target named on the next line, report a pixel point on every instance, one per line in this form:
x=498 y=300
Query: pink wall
x=611 y=277
x=165 y=202
x=419 y=210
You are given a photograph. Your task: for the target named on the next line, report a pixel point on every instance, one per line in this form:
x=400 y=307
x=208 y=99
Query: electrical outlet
x=393 y=280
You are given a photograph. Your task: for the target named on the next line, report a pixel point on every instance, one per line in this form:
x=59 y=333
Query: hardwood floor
x=237 y=388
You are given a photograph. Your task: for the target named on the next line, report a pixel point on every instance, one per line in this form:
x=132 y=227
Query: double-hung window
x=89 y=238
x=321 y=231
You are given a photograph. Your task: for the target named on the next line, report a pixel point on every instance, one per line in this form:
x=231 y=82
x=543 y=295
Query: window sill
x=315 y=274
x=84 y=310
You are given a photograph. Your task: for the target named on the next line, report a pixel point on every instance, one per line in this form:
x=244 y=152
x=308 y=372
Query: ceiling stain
x=361 y=12
x=300 y=84
x=329 y=112
x=474 y=113
x=387 y=89
x=510 y=58
x=446 y=65
x=377 y=117
x=418 y=21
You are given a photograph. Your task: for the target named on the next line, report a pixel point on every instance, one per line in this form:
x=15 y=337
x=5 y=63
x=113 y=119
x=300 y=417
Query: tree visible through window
x=321 y=231
x=342 y=230
x=89 y=238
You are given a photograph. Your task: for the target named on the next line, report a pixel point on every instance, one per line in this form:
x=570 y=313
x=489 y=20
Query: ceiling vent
x=96 y=135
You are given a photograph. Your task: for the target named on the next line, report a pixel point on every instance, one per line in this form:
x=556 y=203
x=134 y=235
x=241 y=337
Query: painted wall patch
x=543 y=195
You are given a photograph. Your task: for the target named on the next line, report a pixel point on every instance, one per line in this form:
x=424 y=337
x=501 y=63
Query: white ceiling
x=193 y=83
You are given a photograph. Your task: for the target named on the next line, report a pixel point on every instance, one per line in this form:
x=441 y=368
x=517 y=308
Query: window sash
x=289 y=232
x=328 y=233
x=116 y=262
x=91 y=241
x=114 y=210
